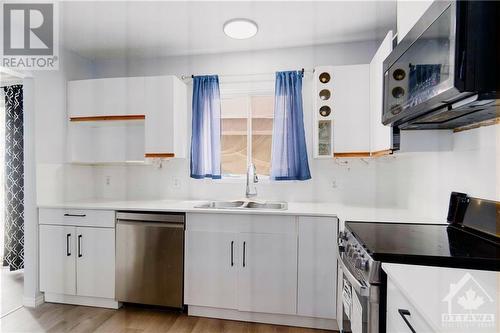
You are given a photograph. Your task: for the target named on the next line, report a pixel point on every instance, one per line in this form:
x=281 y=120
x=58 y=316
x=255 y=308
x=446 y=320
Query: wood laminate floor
x=11 y=290
x=51 y=317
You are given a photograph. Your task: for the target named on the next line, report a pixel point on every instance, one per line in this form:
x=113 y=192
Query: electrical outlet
x=334 y=183
x=108 y=180
x=176 y=182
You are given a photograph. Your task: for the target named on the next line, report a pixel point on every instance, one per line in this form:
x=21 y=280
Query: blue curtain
x=289 y=151
x=205 y=137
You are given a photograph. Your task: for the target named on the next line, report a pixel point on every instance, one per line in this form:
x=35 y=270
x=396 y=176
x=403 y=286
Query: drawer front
x=398 y=307
x=253 y=223
x=77 y=217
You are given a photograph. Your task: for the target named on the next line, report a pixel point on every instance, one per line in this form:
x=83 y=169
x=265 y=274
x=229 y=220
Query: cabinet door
x=134 y=95
x=158 y=103
x=165 y=101
x=210 y=269
x=267 y=279
x=351 y=103
x=98 y=97
x=380 y=135
x=317 y=268
x=397 y=303
x=103 y=97
x=95 y=253
x=57 y=259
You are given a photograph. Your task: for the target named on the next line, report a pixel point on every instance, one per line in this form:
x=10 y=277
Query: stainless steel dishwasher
x=150 y=258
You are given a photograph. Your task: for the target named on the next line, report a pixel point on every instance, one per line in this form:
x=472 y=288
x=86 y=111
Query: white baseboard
x=33 y=302
x=82 y=300
x=266 y=318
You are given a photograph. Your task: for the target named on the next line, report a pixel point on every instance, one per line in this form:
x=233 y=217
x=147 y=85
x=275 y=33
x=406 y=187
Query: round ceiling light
x=240 y=28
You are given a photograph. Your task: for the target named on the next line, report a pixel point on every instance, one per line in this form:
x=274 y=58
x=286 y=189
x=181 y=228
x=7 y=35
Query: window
x=247 y=127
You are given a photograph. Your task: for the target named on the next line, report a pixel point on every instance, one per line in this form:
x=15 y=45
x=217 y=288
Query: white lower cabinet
x=77 y=263
x=247 y=272
x=95 y=262
x=402 y=317
x=57 y=259
x=250 y=267
x=317 y=267
x=211 y=271
x=267 y=279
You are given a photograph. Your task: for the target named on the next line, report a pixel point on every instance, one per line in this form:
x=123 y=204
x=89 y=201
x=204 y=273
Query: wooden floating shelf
x=159 y=155
x=381 y=153
x=364 y=154
x=358 y=154
x=109 y=118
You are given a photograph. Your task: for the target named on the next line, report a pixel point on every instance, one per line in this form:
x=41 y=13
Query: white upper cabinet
x=347 y=109
x=380 y=135
x=106 y=97
x=408 y=13
x=350 y=108
x=165 y=106
x=128 y=119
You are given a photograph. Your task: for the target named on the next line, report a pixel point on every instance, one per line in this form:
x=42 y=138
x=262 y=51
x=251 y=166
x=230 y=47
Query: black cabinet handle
x=68 y=239
x=79 y=246
x=75 y=215
x=232 y=257
x=403 y=313
x=244 y=255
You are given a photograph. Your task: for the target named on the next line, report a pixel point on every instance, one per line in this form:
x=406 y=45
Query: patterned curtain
x=14 y=178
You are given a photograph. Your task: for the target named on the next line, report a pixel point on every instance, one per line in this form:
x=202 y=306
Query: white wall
x=47 y=178
x=149 y=182
x=56 y=180
x=408 y=13
x=431 y=164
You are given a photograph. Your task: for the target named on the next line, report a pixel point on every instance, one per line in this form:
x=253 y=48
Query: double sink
x=240 y=204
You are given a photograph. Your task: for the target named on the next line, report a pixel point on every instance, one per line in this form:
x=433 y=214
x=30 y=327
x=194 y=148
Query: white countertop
x=343 y=212
x=427 y=288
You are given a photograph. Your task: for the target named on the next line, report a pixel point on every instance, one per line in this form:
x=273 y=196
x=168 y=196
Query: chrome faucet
x=251 y=188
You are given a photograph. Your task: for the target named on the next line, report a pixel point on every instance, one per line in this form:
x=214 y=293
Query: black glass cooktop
x=427 y=244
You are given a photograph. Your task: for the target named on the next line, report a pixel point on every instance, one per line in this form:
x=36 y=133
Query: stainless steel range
x=360 y=286
x=469 y=239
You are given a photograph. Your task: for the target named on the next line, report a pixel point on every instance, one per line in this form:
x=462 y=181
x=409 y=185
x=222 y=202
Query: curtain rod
x=188 y=77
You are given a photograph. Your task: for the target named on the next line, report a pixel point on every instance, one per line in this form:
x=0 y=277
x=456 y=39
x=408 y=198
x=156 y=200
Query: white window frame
x=264 y=88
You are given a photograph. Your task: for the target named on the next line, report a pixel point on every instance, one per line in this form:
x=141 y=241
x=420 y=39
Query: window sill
x=239 y=180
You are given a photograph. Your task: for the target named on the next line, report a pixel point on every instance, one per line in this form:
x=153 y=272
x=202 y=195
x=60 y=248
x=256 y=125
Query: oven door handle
x=361 y=289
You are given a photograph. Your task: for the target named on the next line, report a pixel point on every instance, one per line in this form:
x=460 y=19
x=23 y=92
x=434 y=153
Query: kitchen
x=122 y=207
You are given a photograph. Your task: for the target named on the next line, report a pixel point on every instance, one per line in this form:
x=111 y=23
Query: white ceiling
x=101 y=29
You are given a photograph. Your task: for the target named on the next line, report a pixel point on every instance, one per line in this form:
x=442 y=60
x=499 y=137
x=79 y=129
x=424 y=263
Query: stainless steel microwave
x=445 y=73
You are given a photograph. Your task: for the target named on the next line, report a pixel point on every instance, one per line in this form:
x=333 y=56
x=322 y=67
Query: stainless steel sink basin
x=250 y=205
x=266 y=205
x=222 y=204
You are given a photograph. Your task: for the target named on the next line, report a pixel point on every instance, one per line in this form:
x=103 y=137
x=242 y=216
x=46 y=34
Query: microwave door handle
x=362 y=290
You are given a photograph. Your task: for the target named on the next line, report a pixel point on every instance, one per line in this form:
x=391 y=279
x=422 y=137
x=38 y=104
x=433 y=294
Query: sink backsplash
x=416 y=181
